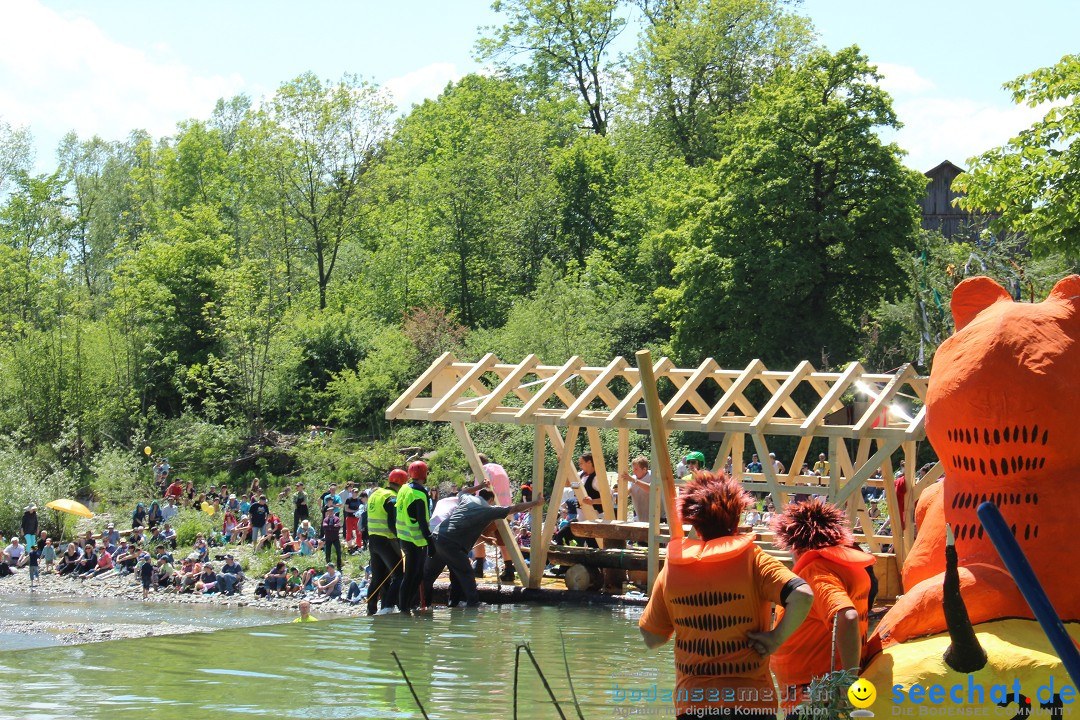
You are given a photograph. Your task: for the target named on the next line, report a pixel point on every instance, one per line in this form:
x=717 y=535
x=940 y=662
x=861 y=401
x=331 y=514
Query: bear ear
x=1067 y=290
x=973 y=296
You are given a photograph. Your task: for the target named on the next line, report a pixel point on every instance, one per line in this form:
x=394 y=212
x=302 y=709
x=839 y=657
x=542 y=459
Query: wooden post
x=538 y=552
x=624 y=465
x=510 y=543
x=658 y=436
x=536 y=515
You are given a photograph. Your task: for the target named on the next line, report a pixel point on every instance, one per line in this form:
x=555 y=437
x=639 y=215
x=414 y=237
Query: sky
x=108 y=66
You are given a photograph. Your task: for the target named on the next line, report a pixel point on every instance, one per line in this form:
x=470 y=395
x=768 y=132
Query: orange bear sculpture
x=1003 y=415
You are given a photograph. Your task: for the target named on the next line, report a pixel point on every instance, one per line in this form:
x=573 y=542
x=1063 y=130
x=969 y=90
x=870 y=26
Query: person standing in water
x=381 y=519
x=412 y=513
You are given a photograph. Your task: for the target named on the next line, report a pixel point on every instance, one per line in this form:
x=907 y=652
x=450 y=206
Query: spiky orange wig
x=713 y=504
x=811 y=525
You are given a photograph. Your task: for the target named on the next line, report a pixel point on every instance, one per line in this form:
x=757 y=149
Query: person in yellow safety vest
x=413 y=512
x=695 y=461
x=381 y=521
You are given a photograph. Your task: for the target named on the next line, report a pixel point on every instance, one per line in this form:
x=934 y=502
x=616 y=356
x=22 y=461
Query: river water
x=461 y=664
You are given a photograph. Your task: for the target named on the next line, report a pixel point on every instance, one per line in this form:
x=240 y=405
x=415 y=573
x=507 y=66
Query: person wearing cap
x=695 y=461
x=414 y=535
x=232 y=503
x=30 y=525
x=381 y=526
x=231 y=566
x=111 y=536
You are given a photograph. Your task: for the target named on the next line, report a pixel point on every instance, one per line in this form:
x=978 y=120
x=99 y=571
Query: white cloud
x=421 y=84
x=898 y=79
x=61 y=73
x=941 y=127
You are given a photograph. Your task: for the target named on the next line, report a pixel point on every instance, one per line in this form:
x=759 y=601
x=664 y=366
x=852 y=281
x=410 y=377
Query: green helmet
x=695 y=455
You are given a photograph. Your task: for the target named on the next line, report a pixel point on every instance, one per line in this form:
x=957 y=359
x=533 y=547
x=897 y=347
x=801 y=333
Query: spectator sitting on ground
x=287 y=545
x=154 y=518
x=293 y=584
x=69 y=560
x=189 y=573
x=111 y=536
x=207 y=582
x=104 y=565
x=201 y=548
x=14 y=552
x=232 y=503
x=175 y=490
x=126 y=557
x=165 y=572
x=232 y=567
x=166 y=535
x=245 y=504
x=138 y=516
x=274 y=581
x=136 y=537
x=307 y=579
x=330 y=583
x=243 y=530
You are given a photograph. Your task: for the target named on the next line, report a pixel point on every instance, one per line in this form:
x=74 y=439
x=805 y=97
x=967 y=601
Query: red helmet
x=418 y=470
x=398 y=476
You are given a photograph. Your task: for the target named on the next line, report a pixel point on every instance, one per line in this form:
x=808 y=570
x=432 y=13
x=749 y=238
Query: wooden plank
x=799 y=458
x=885 y=449
x=689 y=388
x=465 y=382
x=789 y=405
x=624 y=466
x=568 y=368
x=600 y=466
x=832 y=397
x=735 y=391
x=593 y=390
x=634 y=396
x=781 y=397
x=907 y=510
x=884 y=398
x=926 y=481
x=566 y=460
x=438 y=365
x=536 y=514
x=508 y=383
x=893 y=504
x=658 y=436
x=510 y=543
x=916 y=429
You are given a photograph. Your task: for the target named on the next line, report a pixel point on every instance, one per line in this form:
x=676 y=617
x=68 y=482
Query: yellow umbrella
x=70 y=506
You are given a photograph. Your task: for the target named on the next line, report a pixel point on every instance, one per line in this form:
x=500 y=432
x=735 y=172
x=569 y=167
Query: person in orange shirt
x=716 y=595
x=818 y=536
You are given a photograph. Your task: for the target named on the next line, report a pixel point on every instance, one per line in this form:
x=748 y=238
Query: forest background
x=298 y=259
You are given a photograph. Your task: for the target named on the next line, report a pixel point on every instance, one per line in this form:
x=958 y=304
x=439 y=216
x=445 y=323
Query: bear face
x=1003 y=415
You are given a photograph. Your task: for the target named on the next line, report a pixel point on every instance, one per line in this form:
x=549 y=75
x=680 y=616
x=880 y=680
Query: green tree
x=1033 y=181
x=699 y=61
x=791 y=236
x=565 y=42
x=327 y=136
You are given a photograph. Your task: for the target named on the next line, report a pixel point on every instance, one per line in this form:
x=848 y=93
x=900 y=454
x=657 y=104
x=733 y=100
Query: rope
x=388 y=576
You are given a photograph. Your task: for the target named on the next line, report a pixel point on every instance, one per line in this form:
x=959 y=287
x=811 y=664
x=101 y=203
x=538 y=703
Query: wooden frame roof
x=573 y=393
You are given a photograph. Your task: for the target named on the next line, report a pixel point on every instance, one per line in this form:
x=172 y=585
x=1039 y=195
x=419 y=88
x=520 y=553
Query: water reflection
x=461 y=664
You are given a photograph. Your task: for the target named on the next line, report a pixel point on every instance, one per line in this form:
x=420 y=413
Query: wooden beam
x=658 y=436
x=832 y=397
x=438 y=365
x=881 y=402
x=568 y=368
x=689 y=388
x=467 y=380
x=566 y=464
x=510 y=543
x=631 y=399
x=885 y=449
x=600 y=466
x=624 y=465
x=782 y=396
x=735 y=391
x=536 y=514
x=511 y=381
x=591 y=392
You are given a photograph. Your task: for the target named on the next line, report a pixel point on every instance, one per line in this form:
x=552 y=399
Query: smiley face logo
x=862 y=693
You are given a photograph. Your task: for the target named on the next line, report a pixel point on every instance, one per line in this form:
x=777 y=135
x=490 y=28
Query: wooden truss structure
x=864 y=420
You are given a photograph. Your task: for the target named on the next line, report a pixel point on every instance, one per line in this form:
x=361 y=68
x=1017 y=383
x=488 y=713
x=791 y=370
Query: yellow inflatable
x=1020 y=665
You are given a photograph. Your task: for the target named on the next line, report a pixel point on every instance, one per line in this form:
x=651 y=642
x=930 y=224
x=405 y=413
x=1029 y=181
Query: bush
x=22 y=482
x=117 y=478
x=190 y=522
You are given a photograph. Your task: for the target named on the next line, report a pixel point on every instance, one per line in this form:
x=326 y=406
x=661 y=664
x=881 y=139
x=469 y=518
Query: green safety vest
x=378 y=522
x=407 y=529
